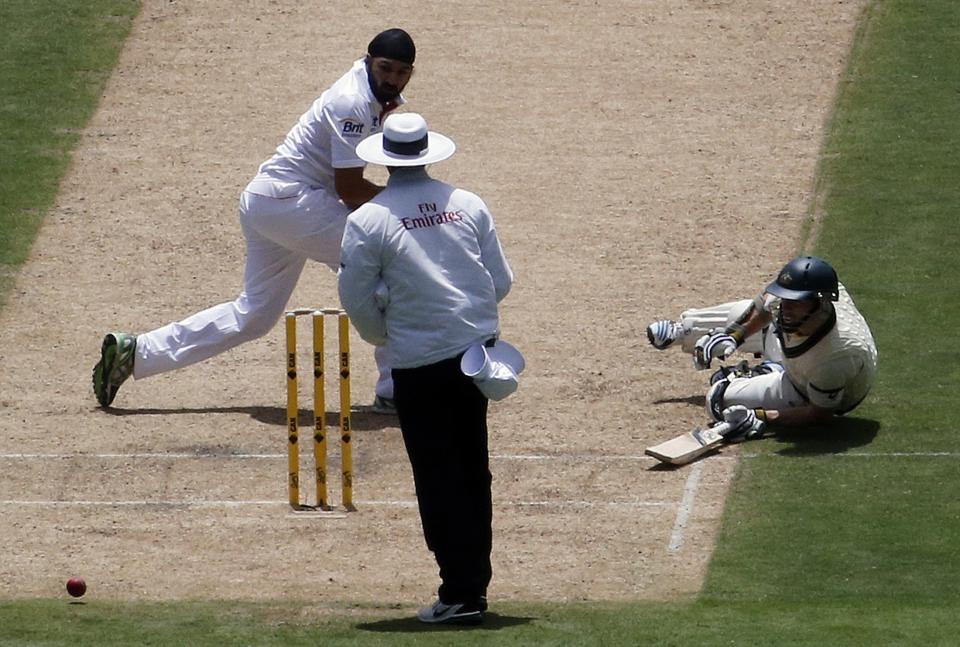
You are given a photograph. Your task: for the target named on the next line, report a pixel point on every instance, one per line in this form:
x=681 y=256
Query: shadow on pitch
x=491 y=622
x=361 y=418
x=836 y=436
x=696 y=400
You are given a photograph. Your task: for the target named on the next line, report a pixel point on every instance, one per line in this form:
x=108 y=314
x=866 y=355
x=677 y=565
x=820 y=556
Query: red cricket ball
x=76 y=586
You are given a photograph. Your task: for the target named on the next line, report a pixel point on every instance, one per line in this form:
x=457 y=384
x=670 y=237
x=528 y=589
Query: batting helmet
x=805 y=278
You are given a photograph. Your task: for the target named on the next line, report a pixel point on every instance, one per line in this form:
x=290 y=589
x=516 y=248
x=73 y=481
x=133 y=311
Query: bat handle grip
x=722 y=428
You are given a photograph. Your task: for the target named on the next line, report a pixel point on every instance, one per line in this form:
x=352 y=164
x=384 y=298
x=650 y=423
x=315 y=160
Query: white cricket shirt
x=325 y=138
x=435 y=248
x=838 y=371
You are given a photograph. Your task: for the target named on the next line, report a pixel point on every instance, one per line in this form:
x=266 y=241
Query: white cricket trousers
x=281 y=234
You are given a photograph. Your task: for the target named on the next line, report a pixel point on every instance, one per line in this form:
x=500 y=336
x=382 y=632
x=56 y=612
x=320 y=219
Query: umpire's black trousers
x=443 y=418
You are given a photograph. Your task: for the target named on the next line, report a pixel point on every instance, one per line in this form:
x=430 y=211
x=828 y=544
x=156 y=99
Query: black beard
x=379 y=93
x=383 y=96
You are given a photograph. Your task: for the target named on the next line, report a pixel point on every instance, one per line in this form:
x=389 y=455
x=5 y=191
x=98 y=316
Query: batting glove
x=745 y=424
x=716 y=344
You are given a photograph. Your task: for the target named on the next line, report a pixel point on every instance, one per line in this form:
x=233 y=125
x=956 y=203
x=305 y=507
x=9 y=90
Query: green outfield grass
x=864 y=518
x=847 y=535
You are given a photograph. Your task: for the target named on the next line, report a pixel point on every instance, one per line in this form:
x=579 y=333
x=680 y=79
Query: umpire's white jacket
x=435 y=249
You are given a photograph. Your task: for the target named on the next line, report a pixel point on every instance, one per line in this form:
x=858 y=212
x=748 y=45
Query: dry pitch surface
x=639 y=157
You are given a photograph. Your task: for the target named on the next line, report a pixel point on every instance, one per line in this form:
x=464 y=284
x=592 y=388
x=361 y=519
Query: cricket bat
x=687 y=447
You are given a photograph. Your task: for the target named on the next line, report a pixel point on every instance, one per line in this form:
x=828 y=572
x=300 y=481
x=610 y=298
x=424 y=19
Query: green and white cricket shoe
x=114 y=367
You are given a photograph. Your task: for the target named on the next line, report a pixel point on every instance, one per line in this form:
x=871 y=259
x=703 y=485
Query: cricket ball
x=76 y=586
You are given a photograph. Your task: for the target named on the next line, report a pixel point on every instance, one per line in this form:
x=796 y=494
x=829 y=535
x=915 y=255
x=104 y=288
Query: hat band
x=410 y=149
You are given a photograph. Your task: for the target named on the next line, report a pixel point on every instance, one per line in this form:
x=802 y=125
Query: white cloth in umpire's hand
x=494 y=369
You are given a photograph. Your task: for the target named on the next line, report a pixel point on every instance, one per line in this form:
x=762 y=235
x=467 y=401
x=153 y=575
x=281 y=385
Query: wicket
x=319 y=409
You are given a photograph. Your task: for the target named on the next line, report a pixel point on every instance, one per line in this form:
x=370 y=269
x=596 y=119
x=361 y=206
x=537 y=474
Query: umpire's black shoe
x=452 y=614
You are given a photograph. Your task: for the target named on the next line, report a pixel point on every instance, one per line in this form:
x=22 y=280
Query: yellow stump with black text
x=293 y=409
x=319 y=412
x=346 y=432
x=318 y=318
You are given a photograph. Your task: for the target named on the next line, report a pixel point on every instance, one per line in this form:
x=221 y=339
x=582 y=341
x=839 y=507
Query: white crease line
x=592 y=504
x=589 y=457
x=139 y=456
x=507 y=457
x=183 y=455
x=196 y=503
x=686 y=505
x=151 y=504
x=541 y=504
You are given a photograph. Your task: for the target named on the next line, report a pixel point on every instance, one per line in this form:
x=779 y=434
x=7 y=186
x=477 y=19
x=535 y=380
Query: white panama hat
x=405 y=141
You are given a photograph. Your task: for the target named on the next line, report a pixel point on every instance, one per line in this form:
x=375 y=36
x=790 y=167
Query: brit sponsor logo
x=352 y=128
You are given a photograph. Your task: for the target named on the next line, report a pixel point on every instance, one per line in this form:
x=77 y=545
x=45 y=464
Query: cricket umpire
x=421 y=273
x=294 y=209
x=819 y=355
